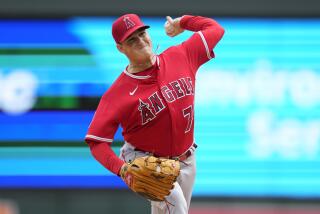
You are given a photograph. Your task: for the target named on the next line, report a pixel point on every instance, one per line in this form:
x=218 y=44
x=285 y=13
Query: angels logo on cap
x=125 y=25
x=128 y=22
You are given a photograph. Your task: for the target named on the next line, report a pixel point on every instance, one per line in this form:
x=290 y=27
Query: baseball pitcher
x=153 y=101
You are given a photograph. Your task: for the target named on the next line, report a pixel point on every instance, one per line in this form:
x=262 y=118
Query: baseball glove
x=151 y=177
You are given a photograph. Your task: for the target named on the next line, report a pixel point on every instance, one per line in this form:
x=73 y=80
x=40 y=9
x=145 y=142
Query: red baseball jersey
x=155 y=107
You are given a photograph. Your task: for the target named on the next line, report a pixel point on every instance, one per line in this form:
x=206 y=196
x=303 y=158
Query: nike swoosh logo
x=134 y=91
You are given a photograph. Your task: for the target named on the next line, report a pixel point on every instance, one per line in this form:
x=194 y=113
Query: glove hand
x=123 y=172
x=172 y=26
x=151 y=177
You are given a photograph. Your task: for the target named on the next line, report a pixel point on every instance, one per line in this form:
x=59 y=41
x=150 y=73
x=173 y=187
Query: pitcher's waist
x=181 y=157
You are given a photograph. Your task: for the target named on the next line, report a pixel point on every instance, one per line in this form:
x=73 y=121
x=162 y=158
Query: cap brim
x=131 y=31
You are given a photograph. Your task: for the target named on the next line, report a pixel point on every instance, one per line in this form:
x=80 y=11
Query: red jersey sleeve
x=105 y=155
x=105 y=122
x=199 y=47
x=101 y=131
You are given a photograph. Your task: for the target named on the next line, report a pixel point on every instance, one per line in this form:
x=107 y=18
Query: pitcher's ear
x=120 y=47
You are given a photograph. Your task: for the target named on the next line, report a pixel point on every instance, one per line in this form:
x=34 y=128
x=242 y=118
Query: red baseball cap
x=125 y=25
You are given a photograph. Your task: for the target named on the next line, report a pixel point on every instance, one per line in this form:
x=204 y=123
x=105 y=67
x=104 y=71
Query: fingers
x=172 y=26
x=169 y=19
x=170 y=32
x=169 y=26
x=169 y=22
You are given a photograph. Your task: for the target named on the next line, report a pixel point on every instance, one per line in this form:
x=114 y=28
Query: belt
x=182 y=157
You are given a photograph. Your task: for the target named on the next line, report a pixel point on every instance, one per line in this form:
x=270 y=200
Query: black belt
x=182 y=157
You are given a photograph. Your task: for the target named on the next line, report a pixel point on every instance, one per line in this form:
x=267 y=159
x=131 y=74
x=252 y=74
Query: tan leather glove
x=150 y=176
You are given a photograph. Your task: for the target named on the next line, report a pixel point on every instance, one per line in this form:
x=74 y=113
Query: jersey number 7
x=188 y=114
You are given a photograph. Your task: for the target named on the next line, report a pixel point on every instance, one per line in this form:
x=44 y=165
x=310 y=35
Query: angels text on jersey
x=171 y=92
